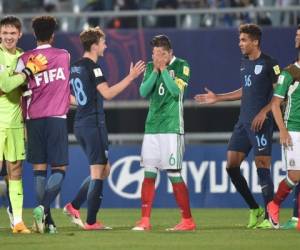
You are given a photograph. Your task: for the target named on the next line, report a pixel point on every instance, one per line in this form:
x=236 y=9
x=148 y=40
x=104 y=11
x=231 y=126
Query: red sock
x=148 y=191
x=282 y=192
x=182 y=198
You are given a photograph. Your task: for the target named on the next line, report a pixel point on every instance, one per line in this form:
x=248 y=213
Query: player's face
x=101 y=47
x=247 y=45
x=9 y=35
x=297 y=39
x=160 y=52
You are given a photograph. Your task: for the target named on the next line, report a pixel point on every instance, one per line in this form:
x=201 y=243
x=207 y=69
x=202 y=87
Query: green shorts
x=12 y=144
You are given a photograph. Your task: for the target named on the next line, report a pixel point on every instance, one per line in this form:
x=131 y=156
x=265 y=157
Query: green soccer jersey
x=10 y=108
x=288 y=87
x=166 y=90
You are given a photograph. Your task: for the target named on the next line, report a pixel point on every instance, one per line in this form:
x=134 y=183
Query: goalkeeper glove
x=35 y=64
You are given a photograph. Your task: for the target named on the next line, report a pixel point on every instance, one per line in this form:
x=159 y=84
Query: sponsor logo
x=126 y=177
x=258 y=69
x=186 y=70
x=276 y=69
x=98 y=72
x=242 y=69
x=49 y=76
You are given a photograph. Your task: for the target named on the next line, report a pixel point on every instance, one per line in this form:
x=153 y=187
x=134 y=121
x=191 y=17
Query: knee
x=15 y=171
x=106 y=172
x=262 y=163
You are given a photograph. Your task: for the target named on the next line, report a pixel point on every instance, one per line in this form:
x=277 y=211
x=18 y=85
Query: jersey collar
x=297 y=65
x=44 y=46
x=172 y=60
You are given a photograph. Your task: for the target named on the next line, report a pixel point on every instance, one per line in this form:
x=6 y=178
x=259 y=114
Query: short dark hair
x=44 y=27
x=161 y=41
x=11 y=20
x=90 y=36
x=252 y=30
x=298 y=28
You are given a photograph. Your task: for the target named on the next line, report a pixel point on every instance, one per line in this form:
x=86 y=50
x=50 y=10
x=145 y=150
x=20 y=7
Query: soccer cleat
x=74 y=215
x=184 y=225
x=142 y=225
x=51 y=229
x=290 y=224
x=20 y=228
x=265 y=224
x=39 y=219
x=273 y=211
x=254 y=215
x=96 y=226
x=11 y=218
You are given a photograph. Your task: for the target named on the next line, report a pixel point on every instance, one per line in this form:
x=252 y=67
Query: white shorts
x=162 y=151
x=291 y=155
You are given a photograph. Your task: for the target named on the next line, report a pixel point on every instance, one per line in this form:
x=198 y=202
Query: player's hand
x=285 y=138
x=137 y=69
x=258 y=121
x=35 y=64
x=208 y=98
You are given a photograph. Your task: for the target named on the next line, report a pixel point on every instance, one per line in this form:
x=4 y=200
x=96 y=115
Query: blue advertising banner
x=203 y=169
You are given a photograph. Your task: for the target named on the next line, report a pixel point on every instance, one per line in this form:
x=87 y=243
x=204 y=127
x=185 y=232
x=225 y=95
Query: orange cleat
x=20 y=228
x=96 y=226
x=273 y=211
x=184 y=225
x=143 y=224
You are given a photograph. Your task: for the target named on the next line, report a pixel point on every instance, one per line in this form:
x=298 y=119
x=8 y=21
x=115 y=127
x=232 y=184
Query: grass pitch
x=217 y=229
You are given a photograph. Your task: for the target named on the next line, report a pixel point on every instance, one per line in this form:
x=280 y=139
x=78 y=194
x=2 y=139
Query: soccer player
x=46 y=122
x=89 y=87
x=11 y=122
x=254 y=128
x=292 y=222
x=289 y=131
x=164 y=83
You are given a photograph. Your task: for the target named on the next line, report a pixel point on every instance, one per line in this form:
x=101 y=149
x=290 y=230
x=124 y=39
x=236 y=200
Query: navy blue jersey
x=84 y=78
x=257 y=77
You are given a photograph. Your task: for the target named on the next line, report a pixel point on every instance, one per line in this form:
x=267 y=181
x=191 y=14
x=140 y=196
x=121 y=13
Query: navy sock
x=94 y=198
x=82 y=193
x=267 y=186
x=52 y=189
x=295 y=200
x=39 y=184
x=241 y=186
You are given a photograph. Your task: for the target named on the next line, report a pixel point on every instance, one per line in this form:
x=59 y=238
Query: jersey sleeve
x=98 y=75
x=283 y=83
x=182 y=75
x=274 y=70
x=148 y=71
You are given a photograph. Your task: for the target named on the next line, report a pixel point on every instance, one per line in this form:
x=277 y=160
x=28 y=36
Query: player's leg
x=262 y=148
x=14 y=154
x=172 y=150
x=4 y=174
x=150 y=160
x=238 y=148
x=291 y=159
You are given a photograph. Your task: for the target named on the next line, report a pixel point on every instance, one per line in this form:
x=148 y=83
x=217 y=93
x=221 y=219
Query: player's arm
x=170 y=84
x=110 y=92
x=210 y=97
x=10 y=82
x=149 y=80
x=73 y=101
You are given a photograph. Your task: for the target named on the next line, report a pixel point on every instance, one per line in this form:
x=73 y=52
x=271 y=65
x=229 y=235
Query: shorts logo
x=261 y=149
x=258 y=69
x=292 y=163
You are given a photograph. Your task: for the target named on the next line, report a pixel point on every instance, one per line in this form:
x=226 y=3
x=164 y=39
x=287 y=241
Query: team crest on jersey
x=98 y=72
x=258 y=69
x=172 y=73
x=186 y=70
x=292 y=163
x=280 y=79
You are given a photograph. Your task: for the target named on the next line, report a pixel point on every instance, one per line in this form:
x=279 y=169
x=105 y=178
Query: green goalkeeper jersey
x=288 y=87
x=10 y=108
x=165 y=91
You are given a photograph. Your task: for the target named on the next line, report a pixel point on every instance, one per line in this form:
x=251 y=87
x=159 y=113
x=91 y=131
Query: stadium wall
x=213 y=54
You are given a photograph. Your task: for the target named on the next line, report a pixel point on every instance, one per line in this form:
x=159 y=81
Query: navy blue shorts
x=47 y=141
x=243 y=139
x=94 y=142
